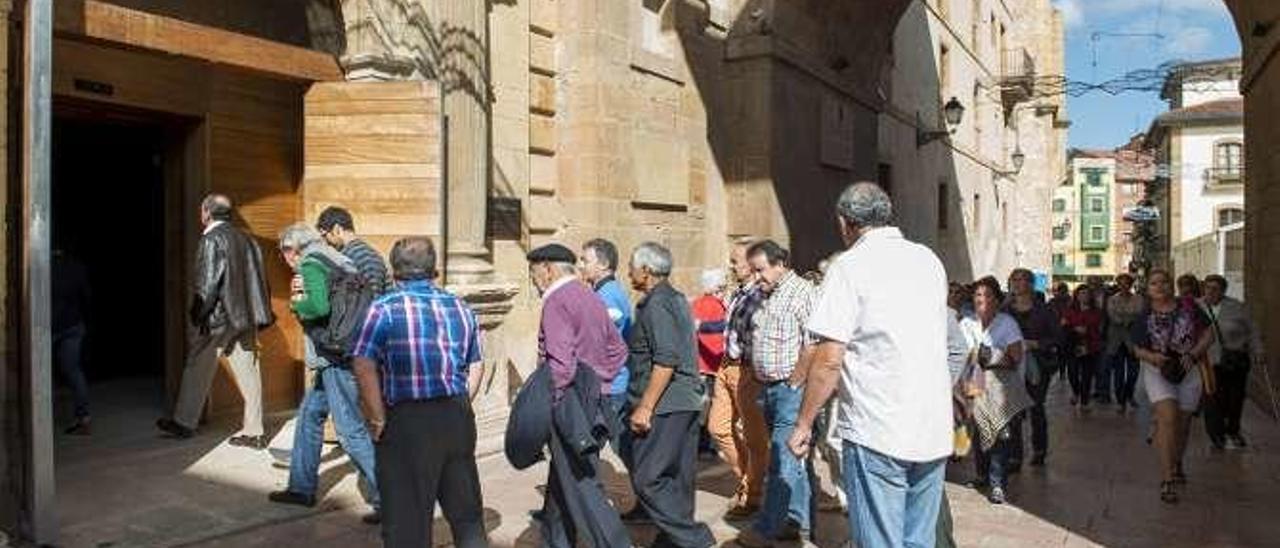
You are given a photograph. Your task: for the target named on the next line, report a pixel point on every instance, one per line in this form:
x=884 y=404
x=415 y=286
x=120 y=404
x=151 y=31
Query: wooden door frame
x=185 y=182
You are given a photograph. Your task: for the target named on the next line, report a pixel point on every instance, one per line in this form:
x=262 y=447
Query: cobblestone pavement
x=1099 y=488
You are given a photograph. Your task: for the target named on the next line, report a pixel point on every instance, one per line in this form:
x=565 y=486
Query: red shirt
x=709 y=311
x=1091 y=321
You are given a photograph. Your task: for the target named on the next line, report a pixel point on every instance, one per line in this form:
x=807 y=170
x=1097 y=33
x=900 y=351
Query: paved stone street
x=1099 y=489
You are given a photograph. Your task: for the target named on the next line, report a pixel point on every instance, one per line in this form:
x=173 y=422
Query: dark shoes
x=741 y=511
x=173 y=429
x=996 y=496
x=79 y=428
x=252 y=442
x=637 y=516
x=372 y=518
x=1037 y=460
x=289 y=497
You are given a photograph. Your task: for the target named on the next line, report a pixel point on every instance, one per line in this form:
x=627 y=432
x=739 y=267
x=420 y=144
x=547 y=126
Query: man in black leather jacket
x=231 y=303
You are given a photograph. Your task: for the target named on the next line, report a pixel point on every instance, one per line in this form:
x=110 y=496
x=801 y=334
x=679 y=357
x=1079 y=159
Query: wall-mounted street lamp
x=1017 y=159
x=952 y=113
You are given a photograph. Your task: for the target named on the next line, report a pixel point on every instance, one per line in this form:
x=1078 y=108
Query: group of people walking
x=1188 y=352
x=875 y=361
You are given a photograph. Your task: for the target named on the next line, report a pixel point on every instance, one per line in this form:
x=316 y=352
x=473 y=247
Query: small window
x=1059 y=232
x=1228 y=158
x=1093 y=260
x=1097 y=205
x=1229 y=216
x=1093 y=177
x=977 y=212
x=944 y=70
x=1059 y=205
x=1097 y=233
x=943 y=205
x=884 y=177
x=1059 y=259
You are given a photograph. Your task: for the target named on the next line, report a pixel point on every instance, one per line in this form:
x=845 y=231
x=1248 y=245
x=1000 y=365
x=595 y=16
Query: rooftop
x=1222 y=110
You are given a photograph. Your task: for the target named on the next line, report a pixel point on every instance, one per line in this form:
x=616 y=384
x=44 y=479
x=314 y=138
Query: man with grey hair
x=666 y=397
x=881 y=323
x=230 y=303
x=583 y=352
x=318 y=268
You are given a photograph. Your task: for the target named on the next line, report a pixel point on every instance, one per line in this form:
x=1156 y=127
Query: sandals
x=1179 y=477
x=1168 y=492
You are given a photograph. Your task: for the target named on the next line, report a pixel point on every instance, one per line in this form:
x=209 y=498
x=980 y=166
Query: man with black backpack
x=330 y=298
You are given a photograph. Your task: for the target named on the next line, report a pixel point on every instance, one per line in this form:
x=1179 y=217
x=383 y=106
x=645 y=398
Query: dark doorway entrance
x=112 y=185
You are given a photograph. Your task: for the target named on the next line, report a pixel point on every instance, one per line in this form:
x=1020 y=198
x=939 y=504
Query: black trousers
x=1222 y=415
x=665 y=468
x=1082 y=369
x=577 y=507
x=427 y=455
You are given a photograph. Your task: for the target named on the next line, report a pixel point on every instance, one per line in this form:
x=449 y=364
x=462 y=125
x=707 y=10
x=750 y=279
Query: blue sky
x=1193 y=30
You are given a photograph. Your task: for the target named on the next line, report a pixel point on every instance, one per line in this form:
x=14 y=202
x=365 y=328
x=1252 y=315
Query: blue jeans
x=787 y=490
x=1124 y=375
x=334 y=392
x=620 y=437
x=892 y=503
x=993 y=464
x=67 y=347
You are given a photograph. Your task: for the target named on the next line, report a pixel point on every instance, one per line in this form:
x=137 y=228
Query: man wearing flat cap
x=578 y=342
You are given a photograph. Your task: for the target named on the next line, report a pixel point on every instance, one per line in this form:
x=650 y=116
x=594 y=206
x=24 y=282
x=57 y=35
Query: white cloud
x=1189 y=41
x=1113 y=7
x=1072 y=13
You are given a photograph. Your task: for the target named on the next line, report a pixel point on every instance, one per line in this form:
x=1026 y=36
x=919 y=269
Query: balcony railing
x=1017 y=76
x=1228 y=177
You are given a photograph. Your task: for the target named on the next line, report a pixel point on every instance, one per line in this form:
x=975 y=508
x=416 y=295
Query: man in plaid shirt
x=778 y=339
x=415 y=361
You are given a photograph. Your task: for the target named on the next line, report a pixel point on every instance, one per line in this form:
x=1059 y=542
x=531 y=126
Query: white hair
x=865 y=205
x=298 y=236
x=653 y=257
x=712 y=280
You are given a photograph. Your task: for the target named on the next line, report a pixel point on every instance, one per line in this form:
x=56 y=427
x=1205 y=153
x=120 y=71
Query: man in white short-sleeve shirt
x=882 y=321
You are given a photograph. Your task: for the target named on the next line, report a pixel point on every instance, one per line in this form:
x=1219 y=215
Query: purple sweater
x=576 y=328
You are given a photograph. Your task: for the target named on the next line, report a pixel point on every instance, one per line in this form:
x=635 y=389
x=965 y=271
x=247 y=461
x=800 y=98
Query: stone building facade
x=496 y=126
x=964 y=195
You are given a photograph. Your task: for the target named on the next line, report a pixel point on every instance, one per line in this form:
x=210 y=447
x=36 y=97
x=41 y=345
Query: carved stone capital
x=490 y=301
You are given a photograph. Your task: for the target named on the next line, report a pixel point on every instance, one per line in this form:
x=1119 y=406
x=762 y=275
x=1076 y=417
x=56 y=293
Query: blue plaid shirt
x=424 y=340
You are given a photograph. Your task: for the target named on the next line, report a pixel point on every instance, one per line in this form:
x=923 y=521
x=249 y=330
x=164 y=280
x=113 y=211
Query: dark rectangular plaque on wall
x=504 y=218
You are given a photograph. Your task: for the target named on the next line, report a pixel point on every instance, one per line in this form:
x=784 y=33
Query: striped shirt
x=424 y=340
x=779 y=328
x=370 y=264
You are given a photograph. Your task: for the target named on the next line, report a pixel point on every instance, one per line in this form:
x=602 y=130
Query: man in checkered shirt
x=778 y=339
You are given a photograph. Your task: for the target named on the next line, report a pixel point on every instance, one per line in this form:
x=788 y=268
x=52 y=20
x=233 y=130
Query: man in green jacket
x=334 y=389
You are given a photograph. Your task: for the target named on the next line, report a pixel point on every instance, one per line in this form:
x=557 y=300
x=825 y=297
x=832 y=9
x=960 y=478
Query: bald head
x=214 y=208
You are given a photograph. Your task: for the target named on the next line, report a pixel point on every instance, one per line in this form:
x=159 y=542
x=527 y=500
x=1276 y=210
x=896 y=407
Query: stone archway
x=780 y=70
x=1258 y=23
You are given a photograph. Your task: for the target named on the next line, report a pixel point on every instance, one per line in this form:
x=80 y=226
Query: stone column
x=463 y=70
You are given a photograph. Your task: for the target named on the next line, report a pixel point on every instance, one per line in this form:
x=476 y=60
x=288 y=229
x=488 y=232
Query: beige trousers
x=202 y=364
x=744 y=446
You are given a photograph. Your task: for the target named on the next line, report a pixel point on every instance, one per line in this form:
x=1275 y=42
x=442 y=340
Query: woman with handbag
x=1084 y=322
x=1171 y=339
x=997 y=391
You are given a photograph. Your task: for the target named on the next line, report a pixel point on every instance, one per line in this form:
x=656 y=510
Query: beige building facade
x=989 y=214
x=494 y=127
